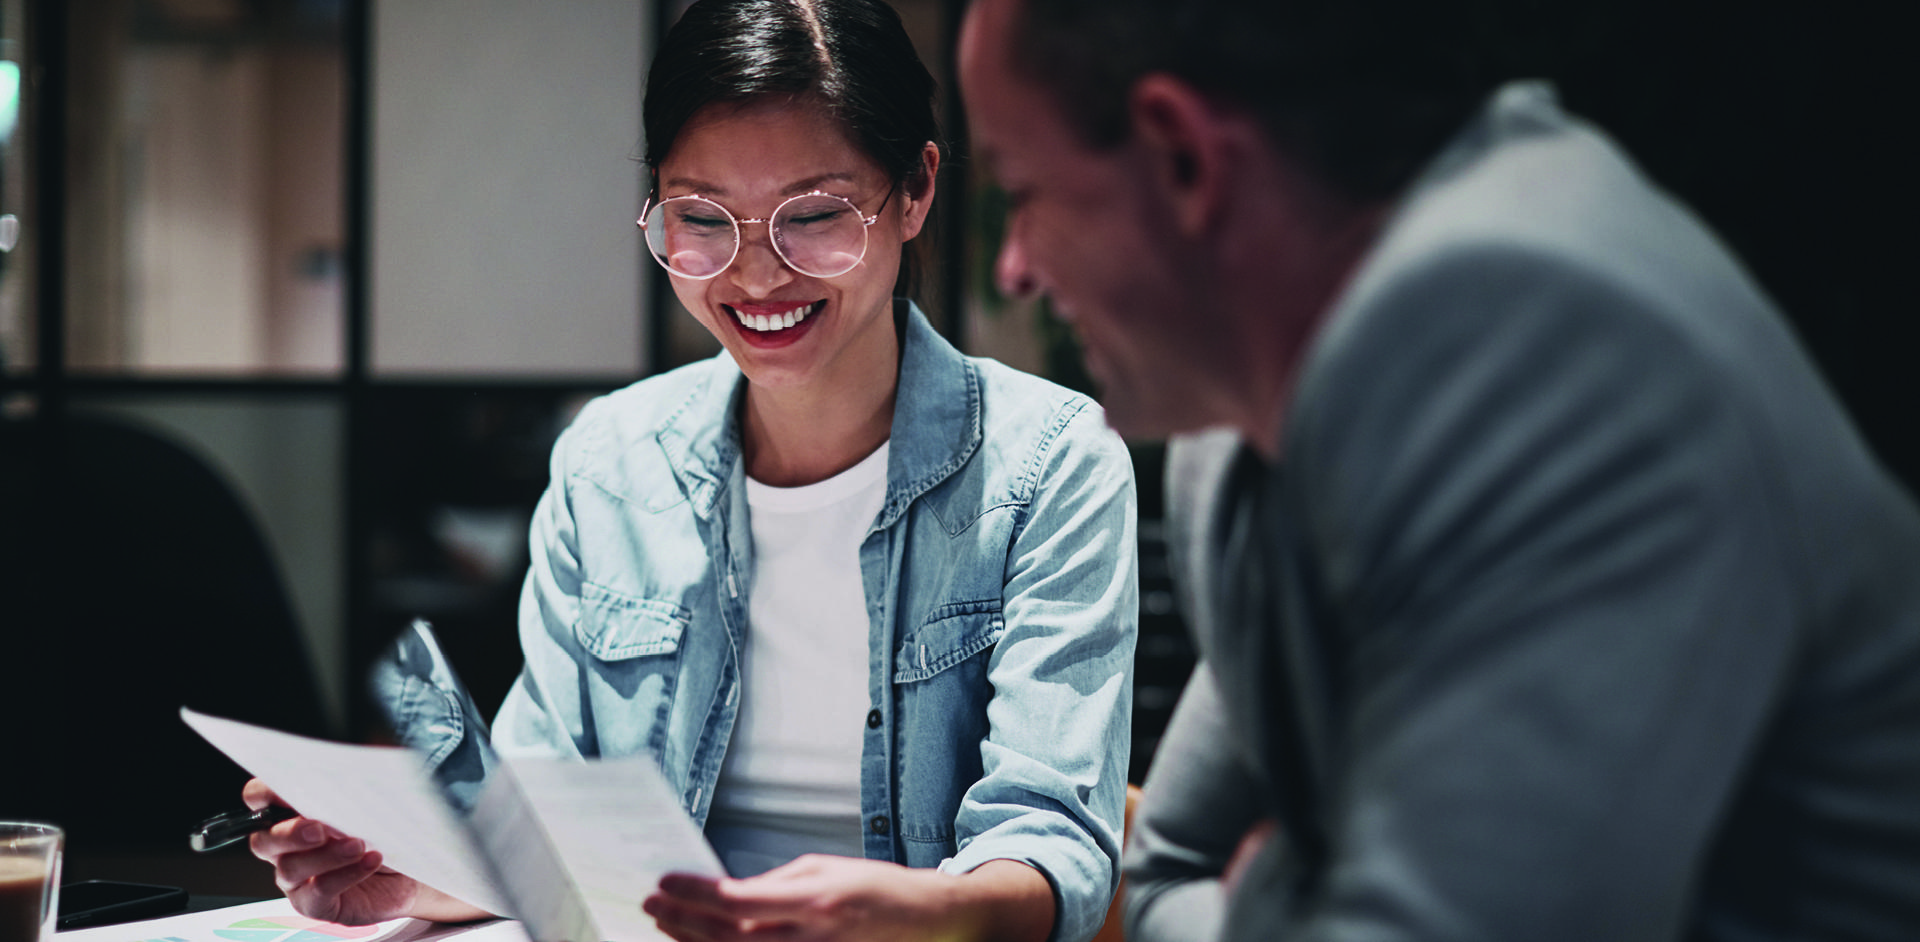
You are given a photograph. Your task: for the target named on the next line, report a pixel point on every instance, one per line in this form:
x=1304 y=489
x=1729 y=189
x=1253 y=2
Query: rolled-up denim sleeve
x=1053 y=790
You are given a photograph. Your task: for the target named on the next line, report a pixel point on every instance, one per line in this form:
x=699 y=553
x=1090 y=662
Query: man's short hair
x=1362 y=92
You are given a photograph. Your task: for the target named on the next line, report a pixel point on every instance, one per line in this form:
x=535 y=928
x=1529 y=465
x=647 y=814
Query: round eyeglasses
x=816 y=234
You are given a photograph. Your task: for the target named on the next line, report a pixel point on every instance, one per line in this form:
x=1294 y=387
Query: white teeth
x=763 y=322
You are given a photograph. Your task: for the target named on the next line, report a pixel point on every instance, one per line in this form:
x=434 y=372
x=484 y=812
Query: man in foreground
x=1543 y=589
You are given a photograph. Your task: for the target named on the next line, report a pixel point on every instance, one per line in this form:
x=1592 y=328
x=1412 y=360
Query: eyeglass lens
x=817 y=234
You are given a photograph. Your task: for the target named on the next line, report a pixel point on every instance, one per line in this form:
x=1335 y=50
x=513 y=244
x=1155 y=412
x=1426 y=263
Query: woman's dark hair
x=852 y=57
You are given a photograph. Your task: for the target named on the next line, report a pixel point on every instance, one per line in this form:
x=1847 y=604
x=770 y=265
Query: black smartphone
x=105 y=902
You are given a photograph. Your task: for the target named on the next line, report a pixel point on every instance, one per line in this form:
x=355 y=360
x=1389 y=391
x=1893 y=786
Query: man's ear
x=919 y=195
x=1185 y=146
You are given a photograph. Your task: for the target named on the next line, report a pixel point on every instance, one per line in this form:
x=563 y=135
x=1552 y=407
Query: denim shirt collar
x=936 y=422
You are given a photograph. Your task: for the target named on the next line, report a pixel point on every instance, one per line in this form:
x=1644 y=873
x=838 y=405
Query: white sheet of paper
x=379 y=794
x=533 y=875
x=275 y=921
x=613 y=826
x=619 y=828
x=268 y=921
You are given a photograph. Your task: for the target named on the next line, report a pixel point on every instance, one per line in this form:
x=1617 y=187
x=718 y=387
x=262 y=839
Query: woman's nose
x=757 y=269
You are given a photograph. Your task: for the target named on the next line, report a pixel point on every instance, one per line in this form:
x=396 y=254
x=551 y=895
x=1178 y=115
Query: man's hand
x=842 y=898
x=1250 y=846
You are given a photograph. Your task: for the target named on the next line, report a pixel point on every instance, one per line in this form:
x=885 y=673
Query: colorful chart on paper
x=268 y=921
x=285 y=929
x=292 y=929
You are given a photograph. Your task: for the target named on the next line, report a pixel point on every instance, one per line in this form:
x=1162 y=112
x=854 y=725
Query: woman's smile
x=775 y=323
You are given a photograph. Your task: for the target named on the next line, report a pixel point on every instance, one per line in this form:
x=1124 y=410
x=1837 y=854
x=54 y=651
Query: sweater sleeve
x=1198 y=802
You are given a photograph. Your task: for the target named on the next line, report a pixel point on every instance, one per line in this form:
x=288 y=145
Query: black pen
x=223 y=829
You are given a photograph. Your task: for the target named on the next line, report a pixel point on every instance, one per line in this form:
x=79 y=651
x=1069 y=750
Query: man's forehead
x=994 y=94
x=985 y=40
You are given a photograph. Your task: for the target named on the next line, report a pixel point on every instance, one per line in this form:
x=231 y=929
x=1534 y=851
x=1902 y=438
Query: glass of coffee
x=29 y=880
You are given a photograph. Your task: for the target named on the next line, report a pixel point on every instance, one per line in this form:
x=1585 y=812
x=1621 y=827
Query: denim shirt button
x=873 y=719
x=879 y=824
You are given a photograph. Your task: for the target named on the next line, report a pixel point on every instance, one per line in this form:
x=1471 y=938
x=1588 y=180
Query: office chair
x=132 y=581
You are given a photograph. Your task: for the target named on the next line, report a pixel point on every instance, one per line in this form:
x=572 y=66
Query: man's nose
x=1011 y=270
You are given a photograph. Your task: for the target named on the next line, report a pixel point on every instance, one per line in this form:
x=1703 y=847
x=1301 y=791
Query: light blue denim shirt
x=1001 y=599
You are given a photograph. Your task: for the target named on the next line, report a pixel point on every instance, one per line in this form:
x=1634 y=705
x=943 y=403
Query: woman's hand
x=329 y=875
x=843 y=898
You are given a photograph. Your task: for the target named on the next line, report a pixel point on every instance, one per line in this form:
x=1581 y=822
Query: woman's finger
x=295 y=869
x=688 y=923
x=257 y=795
x=292 y=836
x=333 y=884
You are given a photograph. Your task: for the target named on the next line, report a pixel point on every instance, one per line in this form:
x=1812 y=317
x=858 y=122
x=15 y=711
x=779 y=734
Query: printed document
x=568 y=847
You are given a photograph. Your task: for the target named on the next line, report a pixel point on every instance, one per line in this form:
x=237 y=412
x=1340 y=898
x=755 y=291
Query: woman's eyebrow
x=813 y=182
x=709 y=188
x=691 y=183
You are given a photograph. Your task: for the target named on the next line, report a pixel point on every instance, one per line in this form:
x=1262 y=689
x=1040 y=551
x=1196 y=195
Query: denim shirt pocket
x=618 y=627
x=941 y=690
x=634 y=664
x=952 y=633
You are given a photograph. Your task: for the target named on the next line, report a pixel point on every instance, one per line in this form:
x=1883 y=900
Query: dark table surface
x=217 y=880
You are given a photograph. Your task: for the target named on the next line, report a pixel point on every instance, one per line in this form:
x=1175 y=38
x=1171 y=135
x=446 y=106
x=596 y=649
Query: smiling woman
x=869 y=603
x=833 y=366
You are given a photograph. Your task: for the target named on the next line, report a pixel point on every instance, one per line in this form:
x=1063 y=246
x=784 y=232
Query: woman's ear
x=919 y=196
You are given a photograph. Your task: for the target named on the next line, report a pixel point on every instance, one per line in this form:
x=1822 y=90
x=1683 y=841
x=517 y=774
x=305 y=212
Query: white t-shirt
x=790 y=783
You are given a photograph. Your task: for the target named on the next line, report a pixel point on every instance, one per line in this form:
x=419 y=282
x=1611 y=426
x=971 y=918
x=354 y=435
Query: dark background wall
x=1783 y=125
